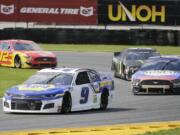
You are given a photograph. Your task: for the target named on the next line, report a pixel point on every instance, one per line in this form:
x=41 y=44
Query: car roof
x=65 y=70
x=141 y=48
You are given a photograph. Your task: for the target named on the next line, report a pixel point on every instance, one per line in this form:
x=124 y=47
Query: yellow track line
x=121 y=129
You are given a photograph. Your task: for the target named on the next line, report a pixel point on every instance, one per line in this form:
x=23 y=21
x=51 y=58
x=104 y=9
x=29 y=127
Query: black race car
x=127 y=62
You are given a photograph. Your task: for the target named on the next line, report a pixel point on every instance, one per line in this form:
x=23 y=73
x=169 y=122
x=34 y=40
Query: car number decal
x=84 y=95
x=5 y=57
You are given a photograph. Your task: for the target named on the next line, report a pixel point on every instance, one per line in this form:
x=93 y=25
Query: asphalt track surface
x=126 y=108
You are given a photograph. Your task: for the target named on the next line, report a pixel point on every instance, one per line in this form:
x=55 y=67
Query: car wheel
x=127 y=77
x=113 y=66
x=135 y=91
x=104 y=101
x=17 y=62
x=66 y=104
x=115 y=76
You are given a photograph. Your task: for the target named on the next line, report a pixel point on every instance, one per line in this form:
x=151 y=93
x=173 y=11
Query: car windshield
x=154 y=65
x=50 y=78
x=31 y=46
x=175 y=66
x=139 y=55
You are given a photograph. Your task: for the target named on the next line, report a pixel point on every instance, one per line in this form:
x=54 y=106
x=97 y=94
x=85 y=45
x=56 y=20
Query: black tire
x=135 y=91
x=104 y=101
x=115 y=76
x=112 y=66
x=66 y=104
x=17 y=62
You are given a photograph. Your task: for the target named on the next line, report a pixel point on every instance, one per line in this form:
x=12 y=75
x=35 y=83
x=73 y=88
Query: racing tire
x=127 y=77
x=135 y=91
x=66 y=104
x=104 y=101
x=17 y=62
x=115 y=76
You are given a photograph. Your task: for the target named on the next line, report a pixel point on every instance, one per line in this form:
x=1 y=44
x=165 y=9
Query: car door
x=82 y=93
x=95 y=84
x=5 y=54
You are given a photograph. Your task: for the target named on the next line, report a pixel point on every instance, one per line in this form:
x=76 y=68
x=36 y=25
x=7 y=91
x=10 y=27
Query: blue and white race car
x=60 y=90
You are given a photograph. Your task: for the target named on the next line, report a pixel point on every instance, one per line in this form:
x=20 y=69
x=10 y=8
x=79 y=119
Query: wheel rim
x=17 y=62
x=135 y=91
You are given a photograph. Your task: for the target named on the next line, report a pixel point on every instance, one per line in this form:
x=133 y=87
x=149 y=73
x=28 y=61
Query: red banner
x=47 y=11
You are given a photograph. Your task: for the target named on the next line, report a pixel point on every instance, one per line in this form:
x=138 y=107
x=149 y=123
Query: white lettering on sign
x=66 y=11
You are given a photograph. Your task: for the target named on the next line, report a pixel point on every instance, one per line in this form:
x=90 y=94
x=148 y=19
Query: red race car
x=25 y=54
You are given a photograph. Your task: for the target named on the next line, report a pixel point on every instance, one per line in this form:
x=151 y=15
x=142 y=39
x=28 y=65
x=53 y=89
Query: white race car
x=60 y=90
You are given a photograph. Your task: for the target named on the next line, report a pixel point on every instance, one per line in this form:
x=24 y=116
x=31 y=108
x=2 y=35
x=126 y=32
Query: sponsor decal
x=159 y=73
x=86 y=11
x=63 y=11
x=142 y=13
x=7 y=9
x=35 y=87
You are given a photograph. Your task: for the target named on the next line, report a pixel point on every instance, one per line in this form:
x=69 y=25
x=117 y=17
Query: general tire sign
x=139 y=12
x=58 y=11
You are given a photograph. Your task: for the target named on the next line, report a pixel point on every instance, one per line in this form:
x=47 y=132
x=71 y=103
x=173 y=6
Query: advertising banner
x=58 y=11
x=130 y=12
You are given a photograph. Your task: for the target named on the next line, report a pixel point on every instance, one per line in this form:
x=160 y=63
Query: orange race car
x=25 y=54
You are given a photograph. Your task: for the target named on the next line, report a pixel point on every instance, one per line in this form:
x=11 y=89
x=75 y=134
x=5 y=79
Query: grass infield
x=107 y=48
x=165 y=132
x=11 y=76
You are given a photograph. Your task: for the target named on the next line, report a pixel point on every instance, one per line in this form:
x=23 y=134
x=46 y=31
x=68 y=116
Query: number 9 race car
x=25 y=54
x=60 y=90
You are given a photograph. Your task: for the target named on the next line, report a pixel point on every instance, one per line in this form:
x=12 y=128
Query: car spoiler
x=116 y=54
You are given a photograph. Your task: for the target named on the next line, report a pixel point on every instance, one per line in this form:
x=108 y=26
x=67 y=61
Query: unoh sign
x=138 y=12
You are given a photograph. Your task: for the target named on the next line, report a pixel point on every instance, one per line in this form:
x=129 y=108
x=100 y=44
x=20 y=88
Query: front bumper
x=151 y=86
x=32 y=106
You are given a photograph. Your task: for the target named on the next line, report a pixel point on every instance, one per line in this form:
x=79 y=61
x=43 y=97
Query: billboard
x=58 y=11
x=130 y=12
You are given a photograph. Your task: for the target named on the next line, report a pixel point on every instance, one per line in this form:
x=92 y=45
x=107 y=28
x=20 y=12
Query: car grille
x=43 y=65
x=44 y=59
x=19 y=104
x=155 y=82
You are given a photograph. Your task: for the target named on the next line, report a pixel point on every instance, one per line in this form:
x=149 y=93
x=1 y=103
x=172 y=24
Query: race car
x=60 y=90
x=127 y=62
x=25 y=54
x=158 y=75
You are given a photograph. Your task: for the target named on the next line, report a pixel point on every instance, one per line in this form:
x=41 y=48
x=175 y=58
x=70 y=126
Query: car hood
x=157 y=74
x=39 y=53
x=37 y=89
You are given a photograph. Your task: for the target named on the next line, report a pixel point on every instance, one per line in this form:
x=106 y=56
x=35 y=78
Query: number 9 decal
x=84 y=95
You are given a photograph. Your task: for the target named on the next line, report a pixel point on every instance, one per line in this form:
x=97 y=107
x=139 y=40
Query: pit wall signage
x=162 y=12
x=58 y=11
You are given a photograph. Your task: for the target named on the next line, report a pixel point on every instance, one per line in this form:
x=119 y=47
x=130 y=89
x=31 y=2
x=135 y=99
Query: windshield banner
x=127 y=12
x=47 y=11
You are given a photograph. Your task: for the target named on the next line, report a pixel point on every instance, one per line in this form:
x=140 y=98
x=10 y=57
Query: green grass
x=106 y=48
x=13 y=76
x=165 y=132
